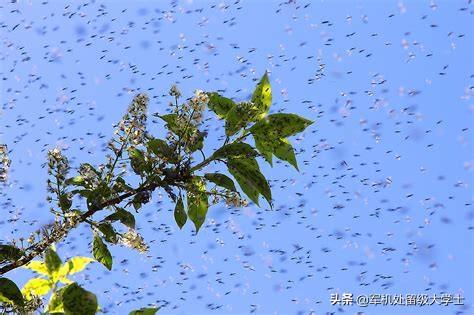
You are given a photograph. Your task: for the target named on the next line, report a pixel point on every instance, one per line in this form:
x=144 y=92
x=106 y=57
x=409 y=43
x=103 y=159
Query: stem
x=197 y=167
x=117 y=157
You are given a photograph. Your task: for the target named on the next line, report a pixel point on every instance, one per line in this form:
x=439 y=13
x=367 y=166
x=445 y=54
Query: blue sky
x=383 y=200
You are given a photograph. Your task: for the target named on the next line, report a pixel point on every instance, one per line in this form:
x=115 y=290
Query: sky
x=382 y=203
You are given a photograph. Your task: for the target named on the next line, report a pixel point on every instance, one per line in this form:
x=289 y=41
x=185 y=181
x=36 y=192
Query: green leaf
x=38 y=267
x=219 y=104
x=238 y=117
x=137 y=161
x=37 y=287
x=171 y=123
x=65 y=202
x=108 y=231
x=52 y=261
x=277 y=126
x=145 y=311
x=281 y=148
x=101 y=252
x=77 y=301
x=221 y=180
x=76 y=181
x=170 y=119
x=197 y=142
x=248 y=175
x=235 y=150
x=263 y=146
x=120 y=186
x=74 y=265
x=284 y=151
x=10 y=292
x=9 y=253
x=160 y=148
x=262 y=96
x=197 y=202
x=122 y=215
x=180 y=215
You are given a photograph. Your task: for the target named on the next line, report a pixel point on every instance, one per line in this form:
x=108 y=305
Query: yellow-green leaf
x=262 y=96
x=197 y=202
x=36 y=286
x=101 y=252
x=38 y=267
x=74 y=265
x=55 y=304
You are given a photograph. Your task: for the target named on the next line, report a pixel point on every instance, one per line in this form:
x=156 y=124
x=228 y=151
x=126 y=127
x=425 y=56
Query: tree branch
x=60 y=231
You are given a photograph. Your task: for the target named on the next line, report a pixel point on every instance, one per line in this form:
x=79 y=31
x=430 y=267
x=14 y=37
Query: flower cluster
x=134 y=240
x=88 y=173
x=5 y=163
x=174 y=91
x=231 y=198
x=133 y=123
x=198 y=103
x=58 y=168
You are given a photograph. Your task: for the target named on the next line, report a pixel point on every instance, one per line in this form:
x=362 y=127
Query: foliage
x=168 y=164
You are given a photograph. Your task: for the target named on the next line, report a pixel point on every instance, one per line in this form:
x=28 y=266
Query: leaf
x=145 y=311
x=137 y=161
x=160 y=148
x=38 y=267
x=65 y=202
x=9 y=253
x=235 y=149
x=284 y=151
x=76 y=181
x=277 y=126
x=238 y=117
x=197 y=202
x=52 y=261
x=170 y=119
x=262 y=145
x=281 y=148
x=180 y=215
x=10 y=292
x=262 y=96
x=171 y=123
x=37 y=287
x=101 y=252
x=55 y=304
x=221 y=180
x=248 y=175
x=77 y=301
x=108 y=231
x=219 y=104
x=74 y=265
x=197 y=142
x=122 y=215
